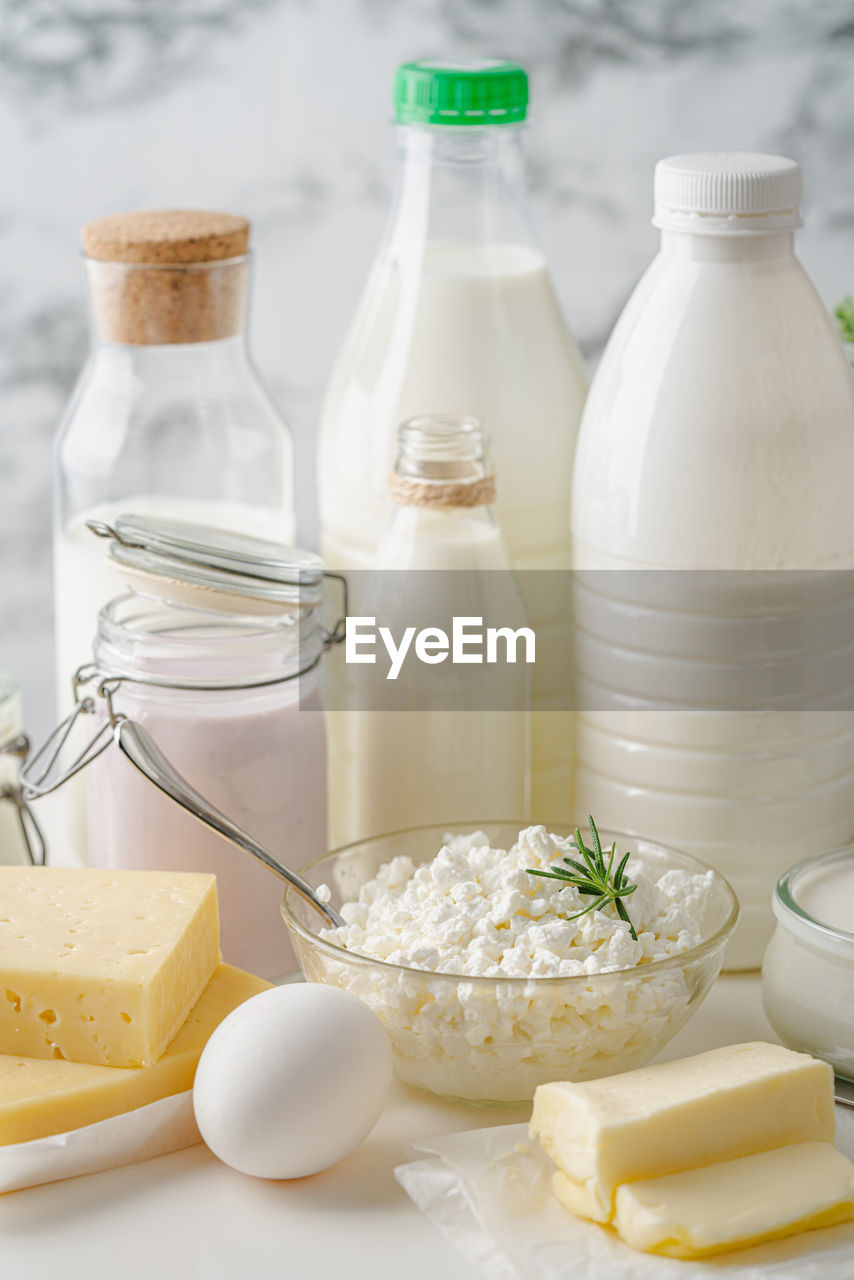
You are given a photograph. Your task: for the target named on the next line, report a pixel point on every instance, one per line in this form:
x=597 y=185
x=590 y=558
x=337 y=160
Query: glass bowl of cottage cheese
x=484 y=985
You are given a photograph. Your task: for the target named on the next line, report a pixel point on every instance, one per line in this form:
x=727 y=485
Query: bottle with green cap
x=459 y=317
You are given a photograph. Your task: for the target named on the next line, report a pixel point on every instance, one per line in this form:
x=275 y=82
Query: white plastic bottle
x=442 y=555
x=718 y=435
x=459 y=317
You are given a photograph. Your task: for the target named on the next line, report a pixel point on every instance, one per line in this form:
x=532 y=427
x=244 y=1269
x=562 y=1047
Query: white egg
x=292 y=1081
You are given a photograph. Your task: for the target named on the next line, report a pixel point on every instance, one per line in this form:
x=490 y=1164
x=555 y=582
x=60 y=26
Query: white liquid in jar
x=463 y=330
x=827 y=894
x=807 y=972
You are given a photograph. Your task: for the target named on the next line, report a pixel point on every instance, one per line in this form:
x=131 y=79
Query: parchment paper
x=489 y=1193
x=166 y=1125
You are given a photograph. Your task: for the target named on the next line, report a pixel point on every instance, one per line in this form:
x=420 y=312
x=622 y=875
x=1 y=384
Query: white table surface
x=187 y=1216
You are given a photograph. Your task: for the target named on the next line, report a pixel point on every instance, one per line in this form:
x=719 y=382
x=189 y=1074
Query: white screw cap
x=728 y=193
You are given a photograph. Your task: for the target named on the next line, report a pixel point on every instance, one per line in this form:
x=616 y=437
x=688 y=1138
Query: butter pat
x=38 y=1098
x=717 y=1106
x=737 y=1203
x=102 y=967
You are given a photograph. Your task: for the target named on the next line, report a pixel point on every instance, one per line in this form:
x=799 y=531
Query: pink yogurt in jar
x=231 y=700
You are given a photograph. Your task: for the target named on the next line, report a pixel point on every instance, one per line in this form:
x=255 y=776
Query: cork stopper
x=157 y=236
x=167 y=276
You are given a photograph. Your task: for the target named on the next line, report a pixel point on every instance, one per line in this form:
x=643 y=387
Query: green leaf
x=582 y=871
x=844 y=314
x=590 y=875
x=620 y=876
x=594 y=906
x=596 y=842
x=624 y=915
x=557 y=873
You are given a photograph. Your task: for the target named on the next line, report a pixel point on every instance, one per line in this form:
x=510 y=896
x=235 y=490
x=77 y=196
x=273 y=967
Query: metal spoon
x=844 y=1092
x=140 y=749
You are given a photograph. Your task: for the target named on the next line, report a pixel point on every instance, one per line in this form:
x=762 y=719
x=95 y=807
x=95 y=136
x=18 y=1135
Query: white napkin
x=489 y=1192
x=166 y=1125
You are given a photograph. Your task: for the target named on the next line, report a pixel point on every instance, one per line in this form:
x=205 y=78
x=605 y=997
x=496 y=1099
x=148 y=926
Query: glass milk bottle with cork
x=443 y=748
x=719 y=436
x=168 y=418
x=459 y=316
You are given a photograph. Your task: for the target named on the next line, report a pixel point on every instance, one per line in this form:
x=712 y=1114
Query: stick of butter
x=102 y=967
x=38 y=1097
x=720 y=1105
x=737 y=1203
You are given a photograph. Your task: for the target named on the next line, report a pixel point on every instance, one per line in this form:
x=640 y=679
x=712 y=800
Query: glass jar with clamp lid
x=212 y=659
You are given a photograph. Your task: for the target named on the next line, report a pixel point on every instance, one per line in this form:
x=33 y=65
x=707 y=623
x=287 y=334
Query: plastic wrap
x=489 y=1193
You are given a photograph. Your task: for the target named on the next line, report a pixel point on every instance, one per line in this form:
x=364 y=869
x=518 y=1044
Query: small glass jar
x=13 y=849
x=225 y=680
x=808 y=970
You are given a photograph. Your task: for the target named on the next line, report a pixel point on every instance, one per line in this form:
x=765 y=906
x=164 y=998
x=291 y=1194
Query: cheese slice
x=102 y=967
x=720 y=1105
x=38 y=1098
x=737 y=1203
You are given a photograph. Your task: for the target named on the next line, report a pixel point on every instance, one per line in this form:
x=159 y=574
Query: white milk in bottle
x=168 y=420
x=719 y=435
x=459 y=317
x=409 y=766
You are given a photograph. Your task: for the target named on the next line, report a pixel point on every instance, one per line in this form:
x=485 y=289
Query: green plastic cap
x=480 y=92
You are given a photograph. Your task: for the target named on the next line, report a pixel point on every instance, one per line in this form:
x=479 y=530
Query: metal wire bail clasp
x=336 y=634
x=34 y=841
x=43 y=771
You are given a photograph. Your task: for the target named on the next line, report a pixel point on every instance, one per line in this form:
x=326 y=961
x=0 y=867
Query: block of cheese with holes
x=664 y=1119
x=38 y=1097
x=102 y=967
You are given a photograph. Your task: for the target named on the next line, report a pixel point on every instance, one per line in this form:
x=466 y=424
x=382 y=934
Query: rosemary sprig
x=594 y=878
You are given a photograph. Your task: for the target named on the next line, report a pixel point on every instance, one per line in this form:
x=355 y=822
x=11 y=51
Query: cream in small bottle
x=409 y=767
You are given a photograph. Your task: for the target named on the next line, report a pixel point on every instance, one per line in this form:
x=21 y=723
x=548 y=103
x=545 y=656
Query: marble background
x=280 y=109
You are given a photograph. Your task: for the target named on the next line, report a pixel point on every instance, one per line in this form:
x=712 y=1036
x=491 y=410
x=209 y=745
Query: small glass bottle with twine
x=438 y=744
x=443 y=485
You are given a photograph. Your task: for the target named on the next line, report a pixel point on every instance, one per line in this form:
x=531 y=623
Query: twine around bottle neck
x=443 y=495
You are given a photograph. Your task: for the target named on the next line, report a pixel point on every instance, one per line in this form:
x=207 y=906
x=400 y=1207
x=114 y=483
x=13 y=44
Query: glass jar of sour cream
x=216 y=654
x=808 y=970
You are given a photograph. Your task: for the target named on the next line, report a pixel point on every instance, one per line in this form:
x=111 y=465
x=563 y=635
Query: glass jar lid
x=799 y=908
x=215 y=569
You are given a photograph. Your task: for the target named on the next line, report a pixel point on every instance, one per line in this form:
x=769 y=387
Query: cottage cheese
x=474 y=913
